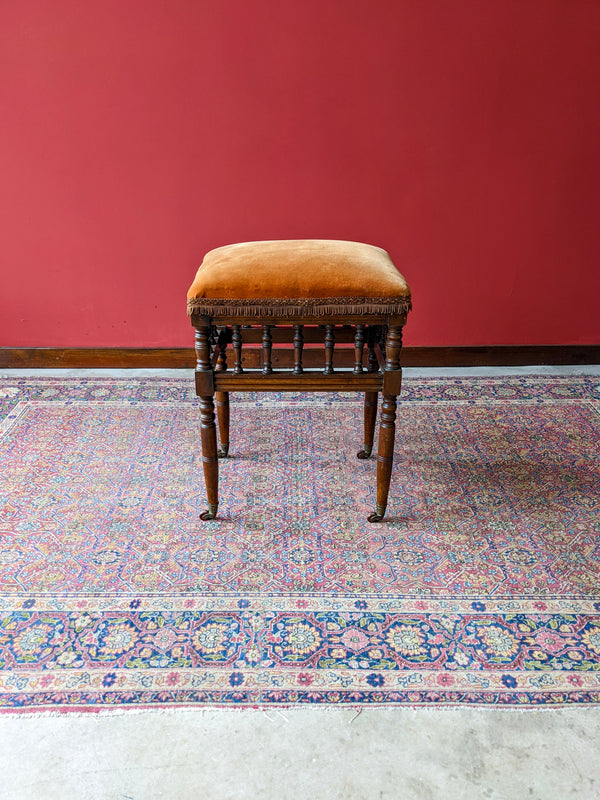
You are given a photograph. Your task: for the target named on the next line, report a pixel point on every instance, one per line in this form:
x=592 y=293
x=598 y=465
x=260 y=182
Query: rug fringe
x=358 y=709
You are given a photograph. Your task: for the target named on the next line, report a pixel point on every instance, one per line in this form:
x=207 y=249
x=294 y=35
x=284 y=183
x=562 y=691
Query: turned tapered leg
x=392 y=382
x=222 y=403
x=385 y=455
x=208 y=430
x=222 y=398
x=370 y=419
x=210 y=463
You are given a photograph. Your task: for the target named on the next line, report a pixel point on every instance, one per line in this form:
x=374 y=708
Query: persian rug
x=481 y=587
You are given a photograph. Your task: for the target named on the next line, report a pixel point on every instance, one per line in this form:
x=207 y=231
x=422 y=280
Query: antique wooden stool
x=318 y=292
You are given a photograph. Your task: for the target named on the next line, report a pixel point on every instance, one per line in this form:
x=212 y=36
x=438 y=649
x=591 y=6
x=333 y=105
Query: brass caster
x=366 y=452
x=210 y=514
x=224 y=451
x=377 y=515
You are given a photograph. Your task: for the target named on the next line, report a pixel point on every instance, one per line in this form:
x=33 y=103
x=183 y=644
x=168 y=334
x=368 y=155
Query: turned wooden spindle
x=372 y=365
x=267 y=344
x=221 y=365
x=237 y=350
x=298 y=346
x=329 y=345
x=359 y=343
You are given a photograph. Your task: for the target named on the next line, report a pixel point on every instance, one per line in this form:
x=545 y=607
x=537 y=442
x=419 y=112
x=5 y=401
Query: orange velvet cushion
x=310 y=275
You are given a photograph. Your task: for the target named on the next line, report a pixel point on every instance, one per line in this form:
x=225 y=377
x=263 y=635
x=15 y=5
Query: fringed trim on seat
x=310 y=306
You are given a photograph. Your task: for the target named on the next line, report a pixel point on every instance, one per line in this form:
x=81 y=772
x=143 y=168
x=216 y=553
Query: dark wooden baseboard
x=183 y=357
x=96 y=357
x=501 y=356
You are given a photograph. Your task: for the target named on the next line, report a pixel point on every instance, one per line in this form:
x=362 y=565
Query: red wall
x=461 y=135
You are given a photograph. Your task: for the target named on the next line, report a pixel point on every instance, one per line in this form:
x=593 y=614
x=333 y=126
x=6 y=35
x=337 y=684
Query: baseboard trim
x=501 y=356
x=96 y=357
x=183 y=357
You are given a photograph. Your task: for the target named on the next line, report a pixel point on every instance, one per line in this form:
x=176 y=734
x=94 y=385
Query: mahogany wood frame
x=382 y=372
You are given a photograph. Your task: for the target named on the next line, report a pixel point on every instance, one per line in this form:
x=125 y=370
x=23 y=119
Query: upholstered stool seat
x=319 y=291
x=299 y=277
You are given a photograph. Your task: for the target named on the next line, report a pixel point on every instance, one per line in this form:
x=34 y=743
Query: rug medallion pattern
x=481 y=587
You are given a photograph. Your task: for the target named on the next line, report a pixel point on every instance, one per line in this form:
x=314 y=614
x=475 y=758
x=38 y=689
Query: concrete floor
x=304 y=753
x=422 y=754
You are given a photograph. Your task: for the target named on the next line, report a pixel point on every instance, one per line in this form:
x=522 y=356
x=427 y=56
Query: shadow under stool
x=305 y=291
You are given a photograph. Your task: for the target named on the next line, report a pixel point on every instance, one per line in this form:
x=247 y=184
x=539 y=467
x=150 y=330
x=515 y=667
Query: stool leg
x=392 y=383
x=210 y=463
x=222 y=401
x=370 y=419
x=208 y=430
x=222 y=398
x=385 y=455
